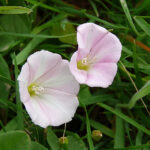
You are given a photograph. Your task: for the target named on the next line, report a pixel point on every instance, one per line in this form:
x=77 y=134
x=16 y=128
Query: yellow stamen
x=34 y=89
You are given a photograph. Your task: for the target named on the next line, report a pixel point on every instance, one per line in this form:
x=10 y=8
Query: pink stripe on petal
x=101 y=75
x=62 y=79
x=88 y=34
x=54 y=108
x=41 y=62
x=53 y=89
x=108 y=49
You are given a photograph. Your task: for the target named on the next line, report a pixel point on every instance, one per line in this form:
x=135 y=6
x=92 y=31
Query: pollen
x=35 y=89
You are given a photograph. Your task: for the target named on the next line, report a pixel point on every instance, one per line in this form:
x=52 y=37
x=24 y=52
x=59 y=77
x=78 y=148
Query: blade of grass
x=52 y=21
x=119 y=135
x=133 y=147
x=133 y=83
x=44 y=6
x=143 y=24
x=94 y=7
x=136 y=67
x=2 y=126
x=142 y=6
x=124 y=117
x=145 y=90
x=97 y=125
x=21 y=57
x=11 y=125
x=139 y=138
x=18 y=102
x=108 y=24
x=127 y=13
x=127 y=128
x=6 y=80
x=42 y=36
x=103 y=4
x=71 y=10
x=14 y=10
x=52 y=140
x=133 y=40
x=8 y=105
x=88 y=128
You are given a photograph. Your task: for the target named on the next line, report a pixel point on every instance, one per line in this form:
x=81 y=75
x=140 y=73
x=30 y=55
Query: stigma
x=83 y=64
x=35 y=89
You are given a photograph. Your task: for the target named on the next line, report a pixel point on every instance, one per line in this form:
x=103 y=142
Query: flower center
x=35 y=89
x=83 y=64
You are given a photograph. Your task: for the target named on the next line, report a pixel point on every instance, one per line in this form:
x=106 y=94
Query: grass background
x=120 y=112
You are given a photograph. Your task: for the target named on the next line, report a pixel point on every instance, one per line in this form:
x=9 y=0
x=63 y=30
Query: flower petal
x=52 y=109
x=41 y=62
x=57 y=102
x=101 y=75
x=88 y=34
x=24 y=74
x=80 y=75
x=23 y=79
x=61 y=79
x=107 y=49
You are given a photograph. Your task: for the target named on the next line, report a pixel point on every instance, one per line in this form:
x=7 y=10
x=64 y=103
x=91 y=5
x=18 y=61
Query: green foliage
x=52 y=140
x=4 y=74
x=64 y=28
x=37 y=146
x=14 y=10
x=145 y=90
x=12 y=24
x=27 y=26
x=75 y=142
x=14 y=140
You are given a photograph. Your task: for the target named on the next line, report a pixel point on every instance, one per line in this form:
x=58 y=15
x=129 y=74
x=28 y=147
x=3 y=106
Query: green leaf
x=14 y=24
x=4 y=70
x=37 y=146
x=52 y=140
x=75 y=142
x=126 y=118
x=64 y=28
x=14 y=10
x=4 y=73
x=145 y=90
x=11 y=125
x=14 y=140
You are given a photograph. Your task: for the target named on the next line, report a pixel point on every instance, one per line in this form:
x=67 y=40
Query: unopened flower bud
x=63 y=140
x=97 y=135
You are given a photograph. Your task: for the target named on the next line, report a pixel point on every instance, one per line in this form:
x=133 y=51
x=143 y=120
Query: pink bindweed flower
x=95 y=61
x=48 y=90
